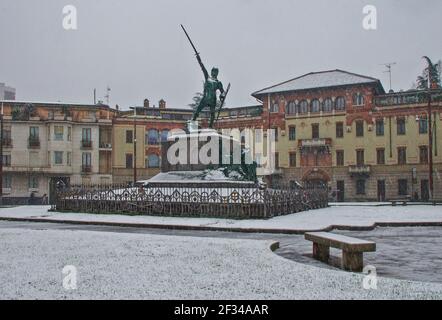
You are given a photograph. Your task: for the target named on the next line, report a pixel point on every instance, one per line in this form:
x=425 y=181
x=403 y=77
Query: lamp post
x=1 y=156
x=135 y=148
x=430 y=135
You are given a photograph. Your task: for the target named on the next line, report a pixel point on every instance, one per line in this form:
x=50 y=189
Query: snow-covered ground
x=143 y=266
x=307 y=220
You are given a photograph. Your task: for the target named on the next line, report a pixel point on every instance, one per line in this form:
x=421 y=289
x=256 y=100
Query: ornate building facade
x=45 y=144
x=341 y=129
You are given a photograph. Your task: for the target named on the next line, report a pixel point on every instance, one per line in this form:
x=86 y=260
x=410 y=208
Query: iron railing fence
x=194 y=200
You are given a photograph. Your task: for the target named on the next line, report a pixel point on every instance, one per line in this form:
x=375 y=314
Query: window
x=315 y=106
x=58 y=157
x=276 y=160
x=358 y=99
x=275 y=107
x=33 y=133
x=58 y=133
x=380 y=156
x=152 y=136
x=86 y=134
x=33 y=182
x=129 y=136
x=6 y=137
x=360 y=158
x=401 y=155
x=359 y=128
x=402 y=187
x=69 y=137
x=339 y=158
x=275 y=133
x=303 y=106
x=400 y=126
x=129 y=161
x=423 y=126
x=292 y=133
x=69 y=158
x=153 y=161
x=360 y=187
x=380 y=127
x=7 y=181
x=423 y=154
x=86 y=160
x=315 y=131
x=291 y=108
x=258 y=135
x=6 y=160
x=340 y=103
x=164 y=135
x=292 y=159
x=339 y=130
x=328 y=105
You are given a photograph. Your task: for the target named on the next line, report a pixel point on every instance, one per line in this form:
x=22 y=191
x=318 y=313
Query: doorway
x=340 y=186
x=381 y=190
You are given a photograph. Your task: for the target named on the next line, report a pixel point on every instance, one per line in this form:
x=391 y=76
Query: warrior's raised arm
x=206 y=74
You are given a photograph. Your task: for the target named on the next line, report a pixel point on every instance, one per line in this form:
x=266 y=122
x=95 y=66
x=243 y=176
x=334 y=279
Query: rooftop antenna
x=388 y=66
x=107 y=96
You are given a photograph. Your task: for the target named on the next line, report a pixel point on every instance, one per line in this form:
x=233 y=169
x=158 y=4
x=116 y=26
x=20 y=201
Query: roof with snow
x=323 y=79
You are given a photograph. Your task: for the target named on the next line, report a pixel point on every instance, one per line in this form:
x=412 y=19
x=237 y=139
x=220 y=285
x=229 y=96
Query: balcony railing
x=7 y=142
x=105 y=145
x=407 y=98
x=315 y=145
x=86 y=144
x=86 y=168
x=361 y=170
x=34 y=142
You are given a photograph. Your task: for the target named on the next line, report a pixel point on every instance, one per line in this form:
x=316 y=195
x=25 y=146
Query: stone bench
x=352 y=249
x=403 y=201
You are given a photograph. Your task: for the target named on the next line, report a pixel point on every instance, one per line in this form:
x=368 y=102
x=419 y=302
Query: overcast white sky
x=138 y=48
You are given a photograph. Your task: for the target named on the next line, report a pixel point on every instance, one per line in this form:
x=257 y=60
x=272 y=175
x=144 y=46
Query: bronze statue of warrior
x=211 y=86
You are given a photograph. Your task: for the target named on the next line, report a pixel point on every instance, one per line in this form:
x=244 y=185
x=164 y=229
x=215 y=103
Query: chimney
x=146 y=103
x=162 y=104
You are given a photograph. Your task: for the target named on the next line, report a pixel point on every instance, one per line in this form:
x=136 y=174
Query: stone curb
x=227 y=229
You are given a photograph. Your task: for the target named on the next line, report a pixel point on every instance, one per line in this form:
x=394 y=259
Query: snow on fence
x=222 y=201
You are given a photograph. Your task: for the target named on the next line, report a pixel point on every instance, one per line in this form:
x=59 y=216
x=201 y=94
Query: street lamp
x=1 y=156
x=135 y=146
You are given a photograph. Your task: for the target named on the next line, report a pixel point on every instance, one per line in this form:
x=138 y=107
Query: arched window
x=315 y=106
x=358 y=99
x=152 y=136
x=153 y=161
x=164 y=135
x=328 y=105
x=303 y=106
x=340 y=103
x=291 y=108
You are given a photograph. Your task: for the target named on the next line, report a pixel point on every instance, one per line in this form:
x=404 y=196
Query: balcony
x=106 y=145
x=7 y=142
x=414 y=97
x=34 y=142
x=361 y=170
x=86 y=144
x=315 y=145
x=86 y=169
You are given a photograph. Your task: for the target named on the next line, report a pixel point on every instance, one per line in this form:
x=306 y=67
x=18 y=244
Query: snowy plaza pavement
x=349 y=215
x=143 y=266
